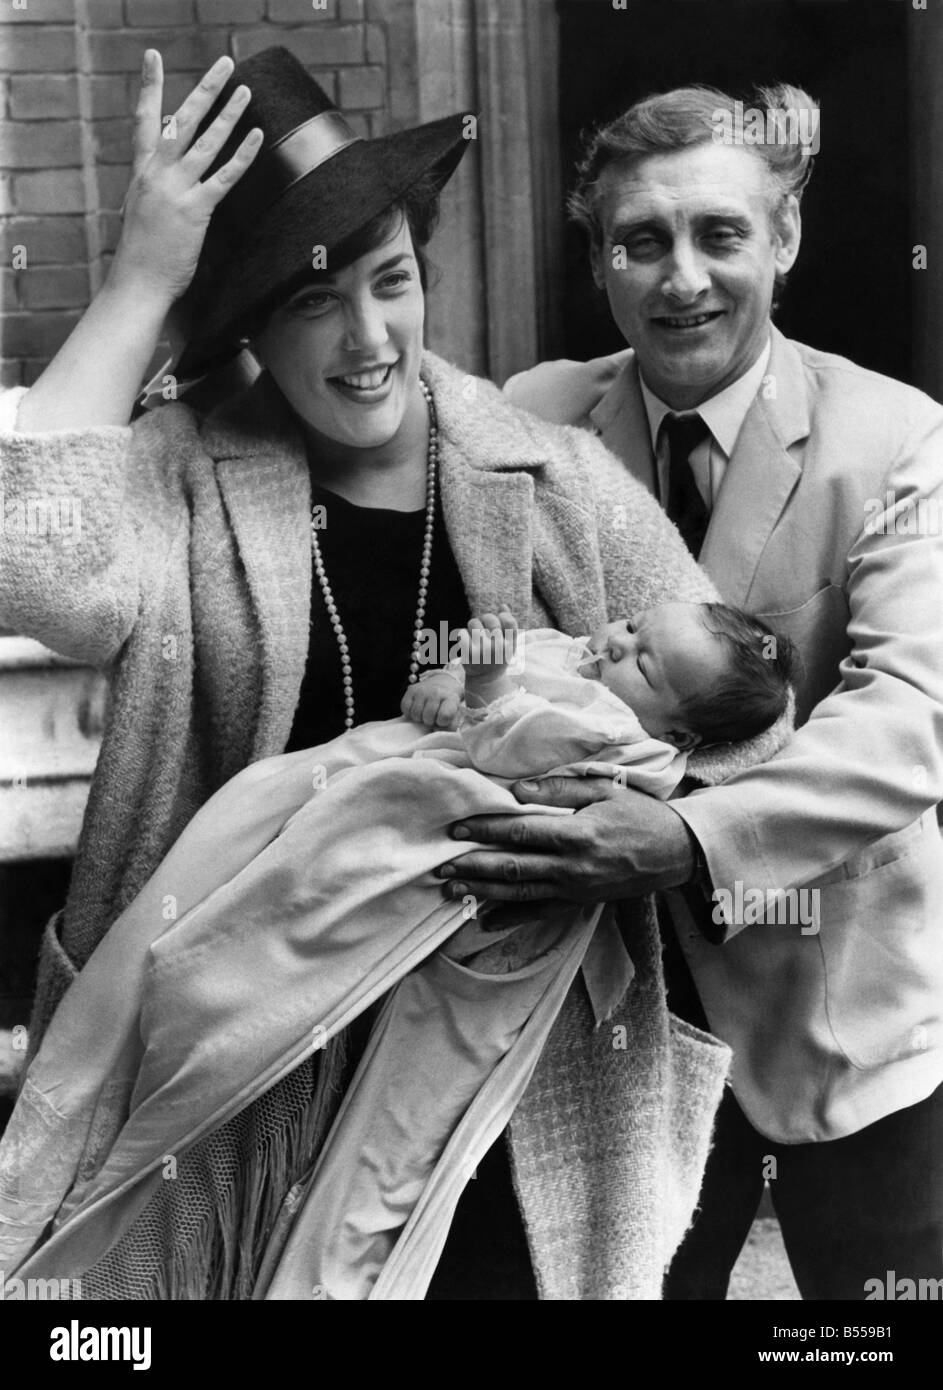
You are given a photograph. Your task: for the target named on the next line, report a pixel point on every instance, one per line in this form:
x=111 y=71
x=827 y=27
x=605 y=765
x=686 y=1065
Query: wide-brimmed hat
x=314 y=183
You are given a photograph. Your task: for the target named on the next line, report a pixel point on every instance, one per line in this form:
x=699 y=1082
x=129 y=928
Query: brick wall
x=68 y=85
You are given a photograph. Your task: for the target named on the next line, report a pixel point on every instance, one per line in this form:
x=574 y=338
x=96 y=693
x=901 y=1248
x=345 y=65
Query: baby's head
x=696 y=673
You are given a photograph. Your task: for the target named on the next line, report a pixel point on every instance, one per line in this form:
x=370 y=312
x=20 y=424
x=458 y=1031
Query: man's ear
x=787 y=232
x=685 y=740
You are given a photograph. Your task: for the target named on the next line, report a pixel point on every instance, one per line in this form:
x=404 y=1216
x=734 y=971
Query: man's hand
x=620 y=844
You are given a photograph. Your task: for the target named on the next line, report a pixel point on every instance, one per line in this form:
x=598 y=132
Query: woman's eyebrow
x=393 y=261
x=327 y=277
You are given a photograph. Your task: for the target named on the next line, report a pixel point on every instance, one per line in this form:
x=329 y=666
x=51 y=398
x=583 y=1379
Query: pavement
x=762 y=1273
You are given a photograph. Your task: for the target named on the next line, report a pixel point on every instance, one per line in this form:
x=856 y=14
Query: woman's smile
x=368 y=385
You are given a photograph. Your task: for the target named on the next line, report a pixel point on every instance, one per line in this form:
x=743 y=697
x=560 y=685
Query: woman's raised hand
x=167 y=209
x=96 y=374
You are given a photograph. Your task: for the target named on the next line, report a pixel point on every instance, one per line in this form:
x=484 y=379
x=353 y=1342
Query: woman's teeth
x=367 y=381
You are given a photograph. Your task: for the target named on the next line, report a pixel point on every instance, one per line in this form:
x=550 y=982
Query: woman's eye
x=312 y=303
x=398 y=280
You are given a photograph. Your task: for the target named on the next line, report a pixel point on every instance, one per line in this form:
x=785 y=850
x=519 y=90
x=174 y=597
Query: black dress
x=371 y=558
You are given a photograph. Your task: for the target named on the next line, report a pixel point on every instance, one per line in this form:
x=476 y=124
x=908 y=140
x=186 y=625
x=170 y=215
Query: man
x=812 y=492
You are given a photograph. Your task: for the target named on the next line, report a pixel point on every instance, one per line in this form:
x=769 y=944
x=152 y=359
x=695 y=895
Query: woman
x=258 y=579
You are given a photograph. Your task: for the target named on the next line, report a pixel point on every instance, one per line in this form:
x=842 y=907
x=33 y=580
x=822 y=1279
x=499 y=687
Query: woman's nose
x=687 y=275
x=366 y=326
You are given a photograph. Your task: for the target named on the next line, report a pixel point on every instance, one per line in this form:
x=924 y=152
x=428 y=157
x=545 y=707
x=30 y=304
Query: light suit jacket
x=836 y=1022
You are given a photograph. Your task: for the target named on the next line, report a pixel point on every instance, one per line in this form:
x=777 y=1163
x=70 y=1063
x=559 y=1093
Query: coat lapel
x=487 y=494
x=760 y=476
x=263 y=478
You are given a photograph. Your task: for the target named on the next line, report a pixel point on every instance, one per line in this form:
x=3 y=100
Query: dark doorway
x=850 y=291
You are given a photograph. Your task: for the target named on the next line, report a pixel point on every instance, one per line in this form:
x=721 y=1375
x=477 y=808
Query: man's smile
x=686 y=323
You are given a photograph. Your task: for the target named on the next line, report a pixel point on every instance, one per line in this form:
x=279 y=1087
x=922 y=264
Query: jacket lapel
x=622 y=422
x=760 y=476
x=263 y=478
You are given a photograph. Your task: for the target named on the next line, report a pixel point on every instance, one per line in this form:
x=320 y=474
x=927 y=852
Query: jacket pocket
x=882 y=948
x=699 y=1066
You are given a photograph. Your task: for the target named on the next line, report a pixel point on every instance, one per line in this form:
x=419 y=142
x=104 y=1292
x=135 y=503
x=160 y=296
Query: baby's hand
x=434 y=701
x=491 y=646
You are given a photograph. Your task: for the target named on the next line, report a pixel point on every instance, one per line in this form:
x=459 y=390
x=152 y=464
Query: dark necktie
x=685 y=505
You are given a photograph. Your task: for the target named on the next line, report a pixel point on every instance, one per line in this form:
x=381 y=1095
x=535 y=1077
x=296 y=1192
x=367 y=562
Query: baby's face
x=654 y=660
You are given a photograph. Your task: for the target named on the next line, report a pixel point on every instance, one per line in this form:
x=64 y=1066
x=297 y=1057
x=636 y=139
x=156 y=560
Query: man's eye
x=643 y=246
x=724 y=235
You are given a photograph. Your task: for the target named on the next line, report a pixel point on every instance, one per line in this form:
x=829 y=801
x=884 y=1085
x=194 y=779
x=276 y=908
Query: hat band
x=283 y=164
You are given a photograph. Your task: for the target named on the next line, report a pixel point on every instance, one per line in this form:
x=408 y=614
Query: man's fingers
x=505 y=892
x=532 y=833
x=504 y=867
x=573 y=792
x=147 y=111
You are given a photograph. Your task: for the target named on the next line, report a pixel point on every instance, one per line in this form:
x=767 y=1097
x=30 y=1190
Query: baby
x=693 y=675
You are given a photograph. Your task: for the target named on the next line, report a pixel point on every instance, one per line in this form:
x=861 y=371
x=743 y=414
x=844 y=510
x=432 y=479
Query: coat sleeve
x=78 y=509
x=869 y=761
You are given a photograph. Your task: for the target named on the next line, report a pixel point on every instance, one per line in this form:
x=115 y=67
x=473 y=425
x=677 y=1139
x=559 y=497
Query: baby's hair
x=755 y=691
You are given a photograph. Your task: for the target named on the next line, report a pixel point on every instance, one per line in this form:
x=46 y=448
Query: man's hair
x=686 y=116
x=755 y=691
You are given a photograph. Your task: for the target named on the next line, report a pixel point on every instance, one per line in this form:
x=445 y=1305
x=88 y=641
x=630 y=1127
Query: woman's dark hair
x=419 y=206
x=755 y=692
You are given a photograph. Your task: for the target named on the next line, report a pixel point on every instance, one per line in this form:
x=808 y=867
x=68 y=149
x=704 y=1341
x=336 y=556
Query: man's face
x=703 y=244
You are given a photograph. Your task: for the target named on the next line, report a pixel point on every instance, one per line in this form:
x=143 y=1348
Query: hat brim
x=323 y=209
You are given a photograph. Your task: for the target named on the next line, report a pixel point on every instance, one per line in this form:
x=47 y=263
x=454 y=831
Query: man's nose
x=687 y=275
x=366 y=326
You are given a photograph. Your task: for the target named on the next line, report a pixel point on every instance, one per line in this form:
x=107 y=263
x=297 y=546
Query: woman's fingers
x=147 y=111
x=204 y=150
x=182 y=125
x=232 y=171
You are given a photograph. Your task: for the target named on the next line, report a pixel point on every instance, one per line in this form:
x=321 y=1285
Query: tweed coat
x=192 y=586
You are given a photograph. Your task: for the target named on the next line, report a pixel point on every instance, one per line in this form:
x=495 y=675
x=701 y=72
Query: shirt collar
x=724 y=413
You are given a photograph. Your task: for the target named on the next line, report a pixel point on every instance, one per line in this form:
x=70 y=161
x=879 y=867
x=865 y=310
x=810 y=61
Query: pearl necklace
x=432 y=458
